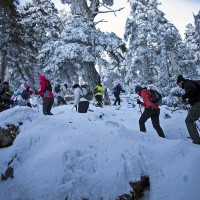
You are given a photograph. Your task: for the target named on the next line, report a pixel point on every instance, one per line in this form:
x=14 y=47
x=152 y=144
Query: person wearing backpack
x=98 y=93
x=81 y=104
x=116 y=91
x=5 y=94
x=21 y=96
x=151 y=110
x=46 y=93
x=61 y=91
x=192 y=93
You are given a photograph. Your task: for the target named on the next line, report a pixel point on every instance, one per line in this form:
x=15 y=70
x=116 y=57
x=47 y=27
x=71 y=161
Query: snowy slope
x=95 y=155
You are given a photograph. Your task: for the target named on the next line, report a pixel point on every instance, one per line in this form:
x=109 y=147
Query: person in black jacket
x=116 y=91
x=192 y=93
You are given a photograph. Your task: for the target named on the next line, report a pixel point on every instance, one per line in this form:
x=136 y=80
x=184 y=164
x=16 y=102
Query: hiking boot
x=45 y=113
x=50 y=113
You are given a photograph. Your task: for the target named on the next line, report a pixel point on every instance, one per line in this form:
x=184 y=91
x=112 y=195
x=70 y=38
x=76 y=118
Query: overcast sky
x=178 y=12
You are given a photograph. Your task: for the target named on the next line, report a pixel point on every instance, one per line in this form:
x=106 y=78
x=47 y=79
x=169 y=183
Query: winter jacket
x=117 y=89
x=63 y=91
x=17 y=96
x=192 y=92
x=43 y=84
x=5 y=91
x=77 y=95
x=100 y=90
x=146 y=96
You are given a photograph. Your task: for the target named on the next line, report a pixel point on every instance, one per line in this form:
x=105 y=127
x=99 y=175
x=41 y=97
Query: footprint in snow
x=111 y=123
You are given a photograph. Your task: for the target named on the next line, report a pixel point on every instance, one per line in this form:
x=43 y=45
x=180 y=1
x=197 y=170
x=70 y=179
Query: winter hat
x=138 y=88
x=27 y=86
x=75 y=86
x=180 y=78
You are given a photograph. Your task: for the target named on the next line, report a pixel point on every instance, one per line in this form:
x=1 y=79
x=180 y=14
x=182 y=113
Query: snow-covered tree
x=189 y=54
x=40 y=24
x=81 y=47
x=152 y=42
x=9 y=40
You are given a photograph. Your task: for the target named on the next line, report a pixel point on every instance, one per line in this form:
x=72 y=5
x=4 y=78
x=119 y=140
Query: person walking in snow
x=151 y=110
x=192 y=93
x=21 y=96
x=116 y=91
x=61 y=91
x=81 y=104
x=46 y=93
x=98 y=93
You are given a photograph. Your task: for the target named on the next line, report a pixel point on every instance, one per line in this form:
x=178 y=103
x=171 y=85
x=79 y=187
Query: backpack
x=88 y=95
x=156 y=97
x=57 y=89
x=25 y=94
x=48 y=87
x=196 y=83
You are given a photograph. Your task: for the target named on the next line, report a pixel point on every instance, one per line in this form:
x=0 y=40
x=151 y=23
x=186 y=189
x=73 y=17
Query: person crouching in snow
x=21 y=96
x=46 y=93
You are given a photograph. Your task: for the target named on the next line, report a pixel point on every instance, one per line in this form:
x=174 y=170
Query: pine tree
x=153 y=43
x=40 y=24
x=9 y=40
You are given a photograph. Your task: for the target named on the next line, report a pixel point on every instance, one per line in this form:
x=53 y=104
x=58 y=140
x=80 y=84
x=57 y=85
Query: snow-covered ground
x=95 y=155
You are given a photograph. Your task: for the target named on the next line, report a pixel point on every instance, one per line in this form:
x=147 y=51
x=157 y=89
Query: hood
x=41 y=78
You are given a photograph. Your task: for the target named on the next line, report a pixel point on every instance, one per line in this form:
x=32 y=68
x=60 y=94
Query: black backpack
x=25 y=94
x=156 y=97
x=57 y=89
x=196 y=83
x=48 y=87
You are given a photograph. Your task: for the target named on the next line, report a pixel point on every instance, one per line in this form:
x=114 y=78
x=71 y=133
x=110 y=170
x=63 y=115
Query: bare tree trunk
x=3 y=66
x=174 y=65
x=91 y=75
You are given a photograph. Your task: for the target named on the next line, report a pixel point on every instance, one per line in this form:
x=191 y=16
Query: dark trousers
x=83 y=106
x=99 y=100
x=47 y=105
x=117 y=100
x=60 y=100
x=193 y=115
x=154 y=115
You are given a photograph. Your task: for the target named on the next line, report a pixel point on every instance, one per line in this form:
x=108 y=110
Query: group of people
x=151 y=110
x=22 y=95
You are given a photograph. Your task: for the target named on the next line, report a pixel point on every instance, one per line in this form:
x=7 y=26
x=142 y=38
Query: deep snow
x=95 y=155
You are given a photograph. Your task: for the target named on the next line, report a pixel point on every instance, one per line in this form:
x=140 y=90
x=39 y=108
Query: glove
x=138 y=101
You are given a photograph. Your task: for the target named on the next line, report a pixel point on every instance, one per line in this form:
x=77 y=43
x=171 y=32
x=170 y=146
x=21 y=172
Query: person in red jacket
x=46 y=93
x=151 y=110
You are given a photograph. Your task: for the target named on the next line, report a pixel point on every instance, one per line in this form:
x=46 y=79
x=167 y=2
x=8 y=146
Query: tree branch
x=108 y=11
